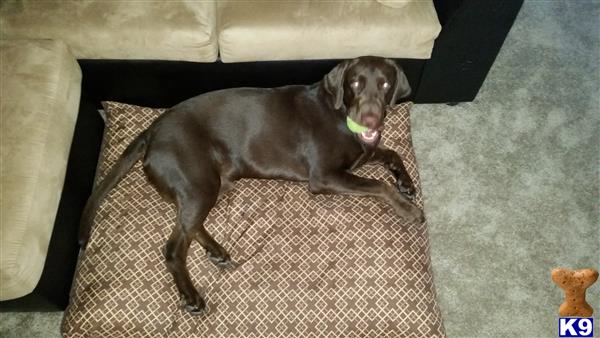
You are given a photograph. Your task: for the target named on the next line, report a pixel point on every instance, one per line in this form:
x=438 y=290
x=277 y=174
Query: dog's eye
x=385 y=85
x=354 y=84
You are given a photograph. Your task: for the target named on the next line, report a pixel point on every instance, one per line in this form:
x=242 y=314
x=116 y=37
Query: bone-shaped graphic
x=574 y=283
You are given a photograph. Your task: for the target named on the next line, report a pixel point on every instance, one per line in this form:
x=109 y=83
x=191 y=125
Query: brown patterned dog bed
x=309 y=265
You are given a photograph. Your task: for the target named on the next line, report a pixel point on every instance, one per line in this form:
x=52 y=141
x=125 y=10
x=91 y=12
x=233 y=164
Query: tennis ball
x=355 y=127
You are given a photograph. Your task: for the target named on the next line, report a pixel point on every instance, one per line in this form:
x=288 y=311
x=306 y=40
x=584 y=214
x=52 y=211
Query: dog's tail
x=130 y=156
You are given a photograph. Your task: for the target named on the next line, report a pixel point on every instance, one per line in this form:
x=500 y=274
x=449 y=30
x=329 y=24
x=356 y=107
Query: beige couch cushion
x=41 y=83
x=98 y=29
x=304 y=29
x=395 y=3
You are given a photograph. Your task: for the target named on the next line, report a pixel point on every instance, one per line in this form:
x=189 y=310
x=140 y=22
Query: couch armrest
x=41 y=84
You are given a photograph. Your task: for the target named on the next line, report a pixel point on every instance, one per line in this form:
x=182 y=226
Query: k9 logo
x=576 y=327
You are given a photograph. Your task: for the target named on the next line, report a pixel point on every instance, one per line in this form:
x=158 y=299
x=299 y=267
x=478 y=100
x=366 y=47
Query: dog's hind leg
x=193 y=183
x=194 y=202
x=176 y=254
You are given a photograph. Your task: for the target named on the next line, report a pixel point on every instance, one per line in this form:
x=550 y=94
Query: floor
x=512 y=181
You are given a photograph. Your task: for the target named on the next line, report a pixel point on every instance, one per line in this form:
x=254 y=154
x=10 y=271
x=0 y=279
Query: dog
x=318 y=134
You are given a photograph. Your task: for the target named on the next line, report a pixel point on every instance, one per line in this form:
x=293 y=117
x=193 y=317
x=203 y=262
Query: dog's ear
x=334 y=83
x=402 y=87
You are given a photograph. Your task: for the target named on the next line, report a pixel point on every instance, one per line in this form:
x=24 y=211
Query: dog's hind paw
x=194 y=307
x=227 y=265
x=223 y=262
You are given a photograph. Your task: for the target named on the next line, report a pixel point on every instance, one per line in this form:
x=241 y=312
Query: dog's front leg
x=393 y=162
x=349 y=184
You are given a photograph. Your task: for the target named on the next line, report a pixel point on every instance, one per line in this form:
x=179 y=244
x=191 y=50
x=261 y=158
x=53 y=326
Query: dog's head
x=362 y=88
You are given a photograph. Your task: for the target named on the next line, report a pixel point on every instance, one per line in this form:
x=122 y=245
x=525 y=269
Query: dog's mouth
x=366 y=135
x=369 y=136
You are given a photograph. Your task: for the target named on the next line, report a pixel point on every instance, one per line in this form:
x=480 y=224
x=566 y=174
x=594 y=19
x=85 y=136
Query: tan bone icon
x=574 y=283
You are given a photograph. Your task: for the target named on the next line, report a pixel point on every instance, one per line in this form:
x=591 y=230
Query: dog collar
x=355 y=127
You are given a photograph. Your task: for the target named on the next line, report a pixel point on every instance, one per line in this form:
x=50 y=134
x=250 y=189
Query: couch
x=160 y=54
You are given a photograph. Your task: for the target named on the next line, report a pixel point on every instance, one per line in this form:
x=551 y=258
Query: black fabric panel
x=162 y=84
x=466 y=49
x=445 y=9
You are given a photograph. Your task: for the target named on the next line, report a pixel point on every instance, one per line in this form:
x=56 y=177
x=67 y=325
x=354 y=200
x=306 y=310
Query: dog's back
x=249 y=132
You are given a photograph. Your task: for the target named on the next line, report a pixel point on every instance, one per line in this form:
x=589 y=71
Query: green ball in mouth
x=355 y=127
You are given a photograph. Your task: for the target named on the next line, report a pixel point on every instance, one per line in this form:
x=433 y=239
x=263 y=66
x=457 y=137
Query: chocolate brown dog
x=196 y=150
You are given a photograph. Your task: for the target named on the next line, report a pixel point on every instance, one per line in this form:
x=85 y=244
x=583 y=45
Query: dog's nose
x=370 y=121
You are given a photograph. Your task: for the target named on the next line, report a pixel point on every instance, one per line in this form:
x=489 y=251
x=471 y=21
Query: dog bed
x=309 y=265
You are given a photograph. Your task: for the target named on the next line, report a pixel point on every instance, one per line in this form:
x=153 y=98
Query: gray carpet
x=511 y=181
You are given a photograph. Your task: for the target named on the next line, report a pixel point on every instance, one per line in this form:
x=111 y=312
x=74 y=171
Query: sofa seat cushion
x=294 y=30
x=39 y=101
x=165 y=30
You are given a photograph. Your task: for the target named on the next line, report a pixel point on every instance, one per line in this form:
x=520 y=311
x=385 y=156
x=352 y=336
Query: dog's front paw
x=407 y=190
x=415 y=215
x=411 y=213
x=405 y=208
